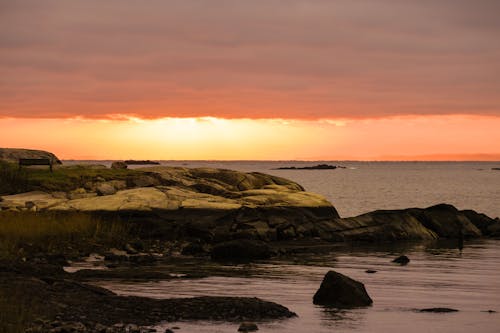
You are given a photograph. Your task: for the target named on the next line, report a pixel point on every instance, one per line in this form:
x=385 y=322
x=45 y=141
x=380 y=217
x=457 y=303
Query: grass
x=29 y=233
x=16 y=180
x=17 y=310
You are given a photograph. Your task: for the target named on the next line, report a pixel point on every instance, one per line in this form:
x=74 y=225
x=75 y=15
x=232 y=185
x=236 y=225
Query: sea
x=438 y=275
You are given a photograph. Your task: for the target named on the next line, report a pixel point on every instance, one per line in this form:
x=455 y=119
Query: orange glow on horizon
x=451 y=137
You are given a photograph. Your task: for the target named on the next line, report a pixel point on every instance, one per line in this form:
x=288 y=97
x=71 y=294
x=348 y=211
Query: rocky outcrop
x=12 y=155
x=340 y=291
x=211 y=205
x=49 y=292
x=439 y=221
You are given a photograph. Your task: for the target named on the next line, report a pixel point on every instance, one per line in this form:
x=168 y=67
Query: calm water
x=437 y=276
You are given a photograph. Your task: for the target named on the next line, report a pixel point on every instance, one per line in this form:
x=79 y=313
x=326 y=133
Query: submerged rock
x=402 y=260
x=340 y=291
x=247 y=326
x=438 y=310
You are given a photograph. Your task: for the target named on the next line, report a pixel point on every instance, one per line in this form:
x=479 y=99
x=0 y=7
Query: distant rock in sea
x=495 y=168
x=315 y=167
x=141 y=162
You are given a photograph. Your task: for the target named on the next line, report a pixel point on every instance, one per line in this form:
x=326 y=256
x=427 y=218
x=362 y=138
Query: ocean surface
x=438 y=275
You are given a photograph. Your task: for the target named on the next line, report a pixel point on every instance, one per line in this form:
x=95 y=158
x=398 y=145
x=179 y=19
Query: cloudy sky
x=355 y=68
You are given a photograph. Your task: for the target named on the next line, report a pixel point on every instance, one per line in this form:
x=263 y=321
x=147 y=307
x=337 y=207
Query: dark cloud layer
x=258 y=59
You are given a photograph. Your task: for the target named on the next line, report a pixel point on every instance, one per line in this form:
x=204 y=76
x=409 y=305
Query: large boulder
x=340 y=291
x=12 y=155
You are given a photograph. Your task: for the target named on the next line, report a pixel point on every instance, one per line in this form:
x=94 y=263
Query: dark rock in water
x=370 y=271
x=141 y=162
x=489 y=311
x=247 y=326
x=438 y=310
x=241 y=249
x=402 y=260
x=315 y=167
x=340 y=291
x=119 y=165
x=495 y=168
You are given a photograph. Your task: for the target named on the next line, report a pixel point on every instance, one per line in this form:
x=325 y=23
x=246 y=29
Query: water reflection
x=341 y=319
x=437 y=276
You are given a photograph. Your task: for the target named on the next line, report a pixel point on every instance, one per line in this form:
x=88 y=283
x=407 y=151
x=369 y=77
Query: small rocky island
x=138 y=217
x=314 y=167
x=141 y=162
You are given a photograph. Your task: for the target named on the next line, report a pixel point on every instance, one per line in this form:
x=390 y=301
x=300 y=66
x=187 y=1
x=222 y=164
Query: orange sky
x=301 y=79
x=399 y=138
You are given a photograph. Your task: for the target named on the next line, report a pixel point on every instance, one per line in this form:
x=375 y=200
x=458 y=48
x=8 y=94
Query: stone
x=105 y=189
x=402 y=260
x=247 y=326
x=438 y=310
x=241 y=249
x=340 y=291
x=119 y=165
x=370 y=271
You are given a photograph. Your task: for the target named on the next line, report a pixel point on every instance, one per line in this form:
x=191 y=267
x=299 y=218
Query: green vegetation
x=12 y=179
x=16 y=180
x=30 y=234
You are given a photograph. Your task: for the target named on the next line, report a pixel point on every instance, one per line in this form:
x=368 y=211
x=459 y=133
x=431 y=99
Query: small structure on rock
x=340 y=291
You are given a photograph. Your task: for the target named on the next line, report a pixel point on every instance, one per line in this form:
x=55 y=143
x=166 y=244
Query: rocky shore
x=215 y=214
x=58 y=299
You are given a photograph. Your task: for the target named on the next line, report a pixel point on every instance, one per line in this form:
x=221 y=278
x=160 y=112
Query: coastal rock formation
x=439 y=221
x=340 y=291
x=213 y=205
x=209 y=206
x=12 y=155
x=50 y=291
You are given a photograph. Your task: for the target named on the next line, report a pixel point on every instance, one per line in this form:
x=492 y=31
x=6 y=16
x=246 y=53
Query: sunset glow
x=399 y=138
x=251 y=80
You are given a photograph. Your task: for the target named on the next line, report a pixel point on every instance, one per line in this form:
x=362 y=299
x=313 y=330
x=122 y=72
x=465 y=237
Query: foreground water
x=437 y=276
